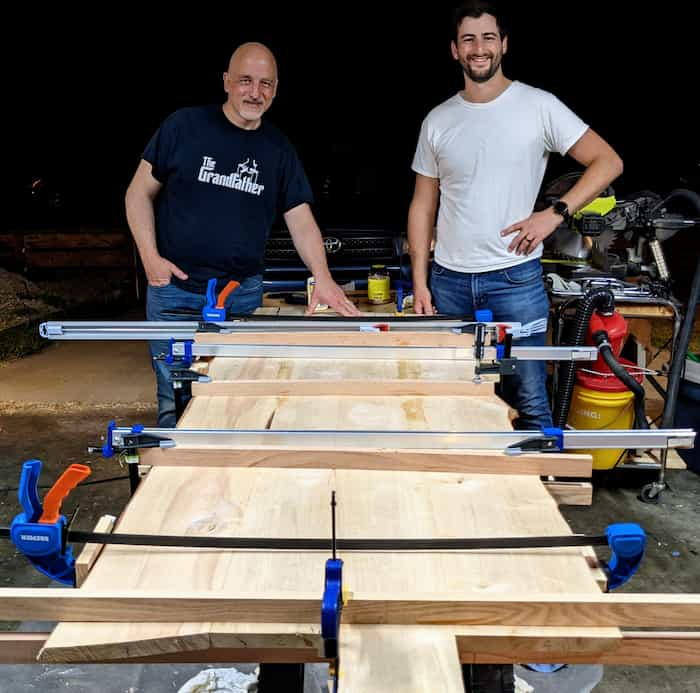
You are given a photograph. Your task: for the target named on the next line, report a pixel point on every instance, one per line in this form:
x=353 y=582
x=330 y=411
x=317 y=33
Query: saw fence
x=409 y=618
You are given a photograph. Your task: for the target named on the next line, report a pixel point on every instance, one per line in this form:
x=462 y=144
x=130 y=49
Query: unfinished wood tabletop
x=223 y=500
x=295 y=503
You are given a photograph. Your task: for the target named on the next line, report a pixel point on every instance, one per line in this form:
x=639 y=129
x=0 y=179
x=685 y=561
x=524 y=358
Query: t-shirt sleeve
x=562 y=127
x=295 y=188
x=424 y=160
x=160 y=151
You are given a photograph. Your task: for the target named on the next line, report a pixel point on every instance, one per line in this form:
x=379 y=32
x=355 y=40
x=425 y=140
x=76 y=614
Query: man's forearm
x=595 y=178
x=141 y=219
x=420 y=235
x=308 y=240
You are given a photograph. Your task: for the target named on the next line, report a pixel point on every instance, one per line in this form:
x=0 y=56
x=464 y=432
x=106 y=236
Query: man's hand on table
x=328 y=292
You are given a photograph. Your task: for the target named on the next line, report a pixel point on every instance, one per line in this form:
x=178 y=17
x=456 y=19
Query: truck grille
x=375 y=247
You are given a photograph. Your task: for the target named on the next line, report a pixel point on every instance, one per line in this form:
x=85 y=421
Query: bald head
x=252 y=52
x=251 y=84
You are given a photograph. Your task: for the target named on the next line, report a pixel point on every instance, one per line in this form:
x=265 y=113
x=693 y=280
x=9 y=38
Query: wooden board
x=466 y=413
x=314 y=377
x=356 y=338
x=372 y=503
x=270 y=502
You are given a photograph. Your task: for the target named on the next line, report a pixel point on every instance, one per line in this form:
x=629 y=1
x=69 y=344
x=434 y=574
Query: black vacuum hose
x=600 y=339
x=604 y=300
x=679 y=194
x=681 y=348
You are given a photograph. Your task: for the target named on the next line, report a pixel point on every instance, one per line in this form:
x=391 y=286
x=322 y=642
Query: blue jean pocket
x=437 y=270
x=524 y=273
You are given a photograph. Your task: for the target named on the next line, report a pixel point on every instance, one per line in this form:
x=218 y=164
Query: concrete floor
x=57 y=402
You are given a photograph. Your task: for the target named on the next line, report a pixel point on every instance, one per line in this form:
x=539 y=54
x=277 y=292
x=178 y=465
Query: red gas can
x=616 y=327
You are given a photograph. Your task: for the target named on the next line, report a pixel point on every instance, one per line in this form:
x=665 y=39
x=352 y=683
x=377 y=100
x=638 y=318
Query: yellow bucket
x=592 y=409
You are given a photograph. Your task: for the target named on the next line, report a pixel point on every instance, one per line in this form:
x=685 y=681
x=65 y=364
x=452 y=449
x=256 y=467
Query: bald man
x=203 y=200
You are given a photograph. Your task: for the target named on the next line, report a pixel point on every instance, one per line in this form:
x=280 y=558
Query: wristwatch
x=560 y=207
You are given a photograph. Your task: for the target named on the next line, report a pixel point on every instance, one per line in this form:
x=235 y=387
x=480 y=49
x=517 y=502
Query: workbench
x=410 y=618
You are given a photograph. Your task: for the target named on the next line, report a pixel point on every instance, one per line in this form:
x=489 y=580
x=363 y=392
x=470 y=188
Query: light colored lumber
x=345 y=338
x=295 y=502
x=631 y=310
x=339 y=388
x=476 y=645
x=90 y=552
x=466 y=461
x=352 y=370
x=413 y=660
x=21 y=648
x=485 y=413
x=497 y=645
x=468 y=413
x=276 y=376
x=515 y=609
x=570 y=492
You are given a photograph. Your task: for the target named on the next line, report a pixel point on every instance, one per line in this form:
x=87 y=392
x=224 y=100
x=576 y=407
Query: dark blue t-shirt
x=222 y=190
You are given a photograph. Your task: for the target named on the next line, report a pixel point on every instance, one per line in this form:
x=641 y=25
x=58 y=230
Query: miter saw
x=614 y=238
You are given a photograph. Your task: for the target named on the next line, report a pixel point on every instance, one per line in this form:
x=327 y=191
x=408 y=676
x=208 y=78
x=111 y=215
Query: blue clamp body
x=627 y=541
x=557 y=433
x=42 y=543
x=331 y=607
x=483 y=315
x=186 y=358
x=210 y=312
x=108 y=447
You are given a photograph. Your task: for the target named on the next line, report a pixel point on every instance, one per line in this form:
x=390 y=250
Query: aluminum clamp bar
x=410 y=440
x=392 y=353
x=145 y=330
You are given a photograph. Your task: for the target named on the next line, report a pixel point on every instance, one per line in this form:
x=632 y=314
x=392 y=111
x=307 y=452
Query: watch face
x=561 y=208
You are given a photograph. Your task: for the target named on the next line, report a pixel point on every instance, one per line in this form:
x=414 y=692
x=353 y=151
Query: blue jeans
x=512 y=294
x=160 y=300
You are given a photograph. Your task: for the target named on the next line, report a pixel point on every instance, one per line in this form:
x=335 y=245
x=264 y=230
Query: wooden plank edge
x=597 y=572
x=462 y=461
x=565 y=610
x=345 y=388
x=570 y=492
x=645 y=648
x=90 y=552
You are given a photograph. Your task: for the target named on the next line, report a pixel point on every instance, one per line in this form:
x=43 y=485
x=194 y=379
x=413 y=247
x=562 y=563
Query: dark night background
x=84 y=89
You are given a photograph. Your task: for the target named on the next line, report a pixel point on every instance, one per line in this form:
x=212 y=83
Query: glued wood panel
x=273 y=502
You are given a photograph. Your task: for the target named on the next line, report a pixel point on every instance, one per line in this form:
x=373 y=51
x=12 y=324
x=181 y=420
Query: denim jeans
x=517 y=294
x=161 y=300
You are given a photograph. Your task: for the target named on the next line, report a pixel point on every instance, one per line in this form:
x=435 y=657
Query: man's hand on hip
x=423 y=302
x=328 y=292
x=532 y=231
x=159 y=271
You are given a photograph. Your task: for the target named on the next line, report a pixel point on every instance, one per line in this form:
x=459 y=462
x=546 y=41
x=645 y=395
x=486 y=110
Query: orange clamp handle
x=60 y=490
x=225 y=292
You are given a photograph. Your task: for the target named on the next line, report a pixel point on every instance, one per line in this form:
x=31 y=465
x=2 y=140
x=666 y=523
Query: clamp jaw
x=128 y=442
x=504 y=363
x=215 y=310
x=551 y=440
x=627 y=542
x=39 y=532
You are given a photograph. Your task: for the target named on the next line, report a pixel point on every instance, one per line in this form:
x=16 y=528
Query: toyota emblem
x=332 y=244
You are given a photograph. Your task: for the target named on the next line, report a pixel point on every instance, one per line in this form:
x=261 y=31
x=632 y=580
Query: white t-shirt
x=490 y=159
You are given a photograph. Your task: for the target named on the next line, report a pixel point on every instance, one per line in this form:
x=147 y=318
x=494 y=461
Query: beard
x=481 y=75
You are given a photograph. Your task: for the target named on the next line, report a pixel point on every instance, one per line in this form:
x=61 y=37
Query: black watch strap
x=560 y=207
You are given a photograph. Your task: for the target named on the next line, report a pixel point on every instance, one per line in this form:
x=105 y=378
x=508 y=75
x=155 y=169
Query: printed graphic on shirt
x=244 y=178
